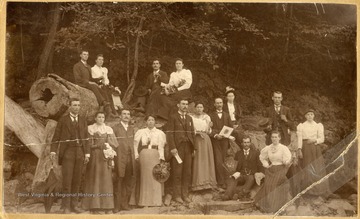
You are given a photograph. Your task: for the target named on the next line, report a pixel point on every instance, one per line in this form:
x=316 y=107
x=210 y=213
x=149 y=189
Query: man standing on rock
x=280 y=119
x=180 y=137
x=71 y=135
x=82 y=76
x=124 y=161
x=220 y=144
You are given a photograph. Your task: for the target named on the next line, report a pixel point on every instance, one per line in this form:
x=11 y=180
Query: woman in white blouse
x=178 y=88
x=310 y=135
x=276 y=159
x=99 y=75
x=150 y=142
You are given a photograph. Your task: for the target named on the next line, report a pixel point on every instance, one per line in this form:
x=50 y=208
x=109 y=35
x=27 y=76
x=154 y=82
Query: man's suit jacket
x=64 y=133
x=251 y=164
x=237 y=110
x=150 y=84
x=179 y=130
x=217 y=126
x=279 y=124
x=82 y=74
x=125 y=148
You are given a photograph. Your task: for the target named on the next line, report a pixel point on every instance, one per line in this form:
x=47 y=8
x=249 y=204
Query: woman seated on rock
x=99 y=75
x=178 y=88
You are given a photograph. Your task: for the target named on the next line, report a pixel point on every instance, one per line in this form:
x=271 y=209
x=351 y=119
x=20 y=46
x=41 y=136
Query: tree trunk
x=24 y=125
x=130 y=89
x=44 y=163
x=44 y=57
x=50 y=97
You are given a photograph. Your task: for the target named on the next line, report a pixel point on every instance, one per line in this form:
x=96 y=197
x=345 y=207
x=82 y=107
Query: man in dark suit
x=180 y=137
x=220 y=144
x=72 y=135
x=153 y=82
x=248 y=165
x=124 y=161
x=82 y=76
x=280 y=120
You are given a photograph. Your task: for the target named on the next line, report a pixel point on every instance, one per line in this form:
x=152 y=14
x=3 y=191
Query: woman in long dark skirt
x=310 y=135
x=275 y=158
x=98 y=187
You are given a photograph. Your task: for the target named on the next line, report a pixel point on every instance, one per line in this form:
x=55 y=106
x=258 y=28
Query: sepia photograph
x=180 y=108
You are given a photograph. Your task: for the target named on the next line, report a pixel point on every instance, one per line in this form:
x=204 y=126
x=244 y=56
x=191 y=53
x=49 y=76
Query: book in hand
x=226 y=131
x=236 y=175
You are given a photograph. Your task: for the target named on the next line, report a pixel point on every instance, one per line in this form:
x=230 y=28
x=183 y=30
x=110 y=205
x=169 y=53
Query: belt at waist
x=147 y=147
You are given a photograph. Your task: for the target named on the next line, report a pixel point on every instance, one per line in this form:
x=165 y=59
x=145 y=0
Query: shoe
x=167 y=199
x=108 y=211
x=187 y=199
x=225 y=197
x=235 y=197
x=179 y=200
x=77 y=210
x=115 y=210
x=66 y=211
x=125 y=208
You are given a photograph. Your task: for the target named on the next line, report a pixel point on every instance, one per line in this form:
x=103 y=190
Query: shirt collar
x=84 y=62
x=181 y=114
x=219 y=111
x=123 y=124
x=277 y=105
x=151 y=130
x=73 y=115
x=157 y=71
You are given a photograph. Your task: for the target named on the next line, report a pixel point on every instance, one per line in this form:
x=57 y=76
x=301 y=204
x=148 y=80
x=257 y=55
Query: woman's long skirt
x=98 y=187
x=203 y=165
x=273 y=194
x=150 y=189
x=313 y=169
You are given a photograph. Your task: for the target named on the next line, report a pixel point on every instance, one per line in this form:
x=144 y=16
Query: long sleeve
x=56 y=138
x=170 y=136
x=79 y=79
x=137 y=139
x=162 y=142
x=164 y=77
x=320 y=134
x=188 y=80
x=87 y=138
x=299 y=135
x=286 y=156
x=264 y=156
x=113 y=141
x=289 y=118
x=106 y=79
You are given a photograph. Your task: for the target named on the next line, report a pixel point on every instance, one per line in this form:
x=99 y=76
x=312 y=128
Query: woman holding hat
x=149 y=145
x=310 y=135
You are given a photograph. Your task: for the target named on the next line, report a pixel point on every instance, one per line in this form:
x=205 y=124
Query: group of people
x=198 y=148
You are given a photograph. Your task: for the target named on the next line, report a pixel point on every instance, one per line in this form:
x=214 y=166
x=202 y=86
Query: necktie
x=74 y=119
x=277 y=109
